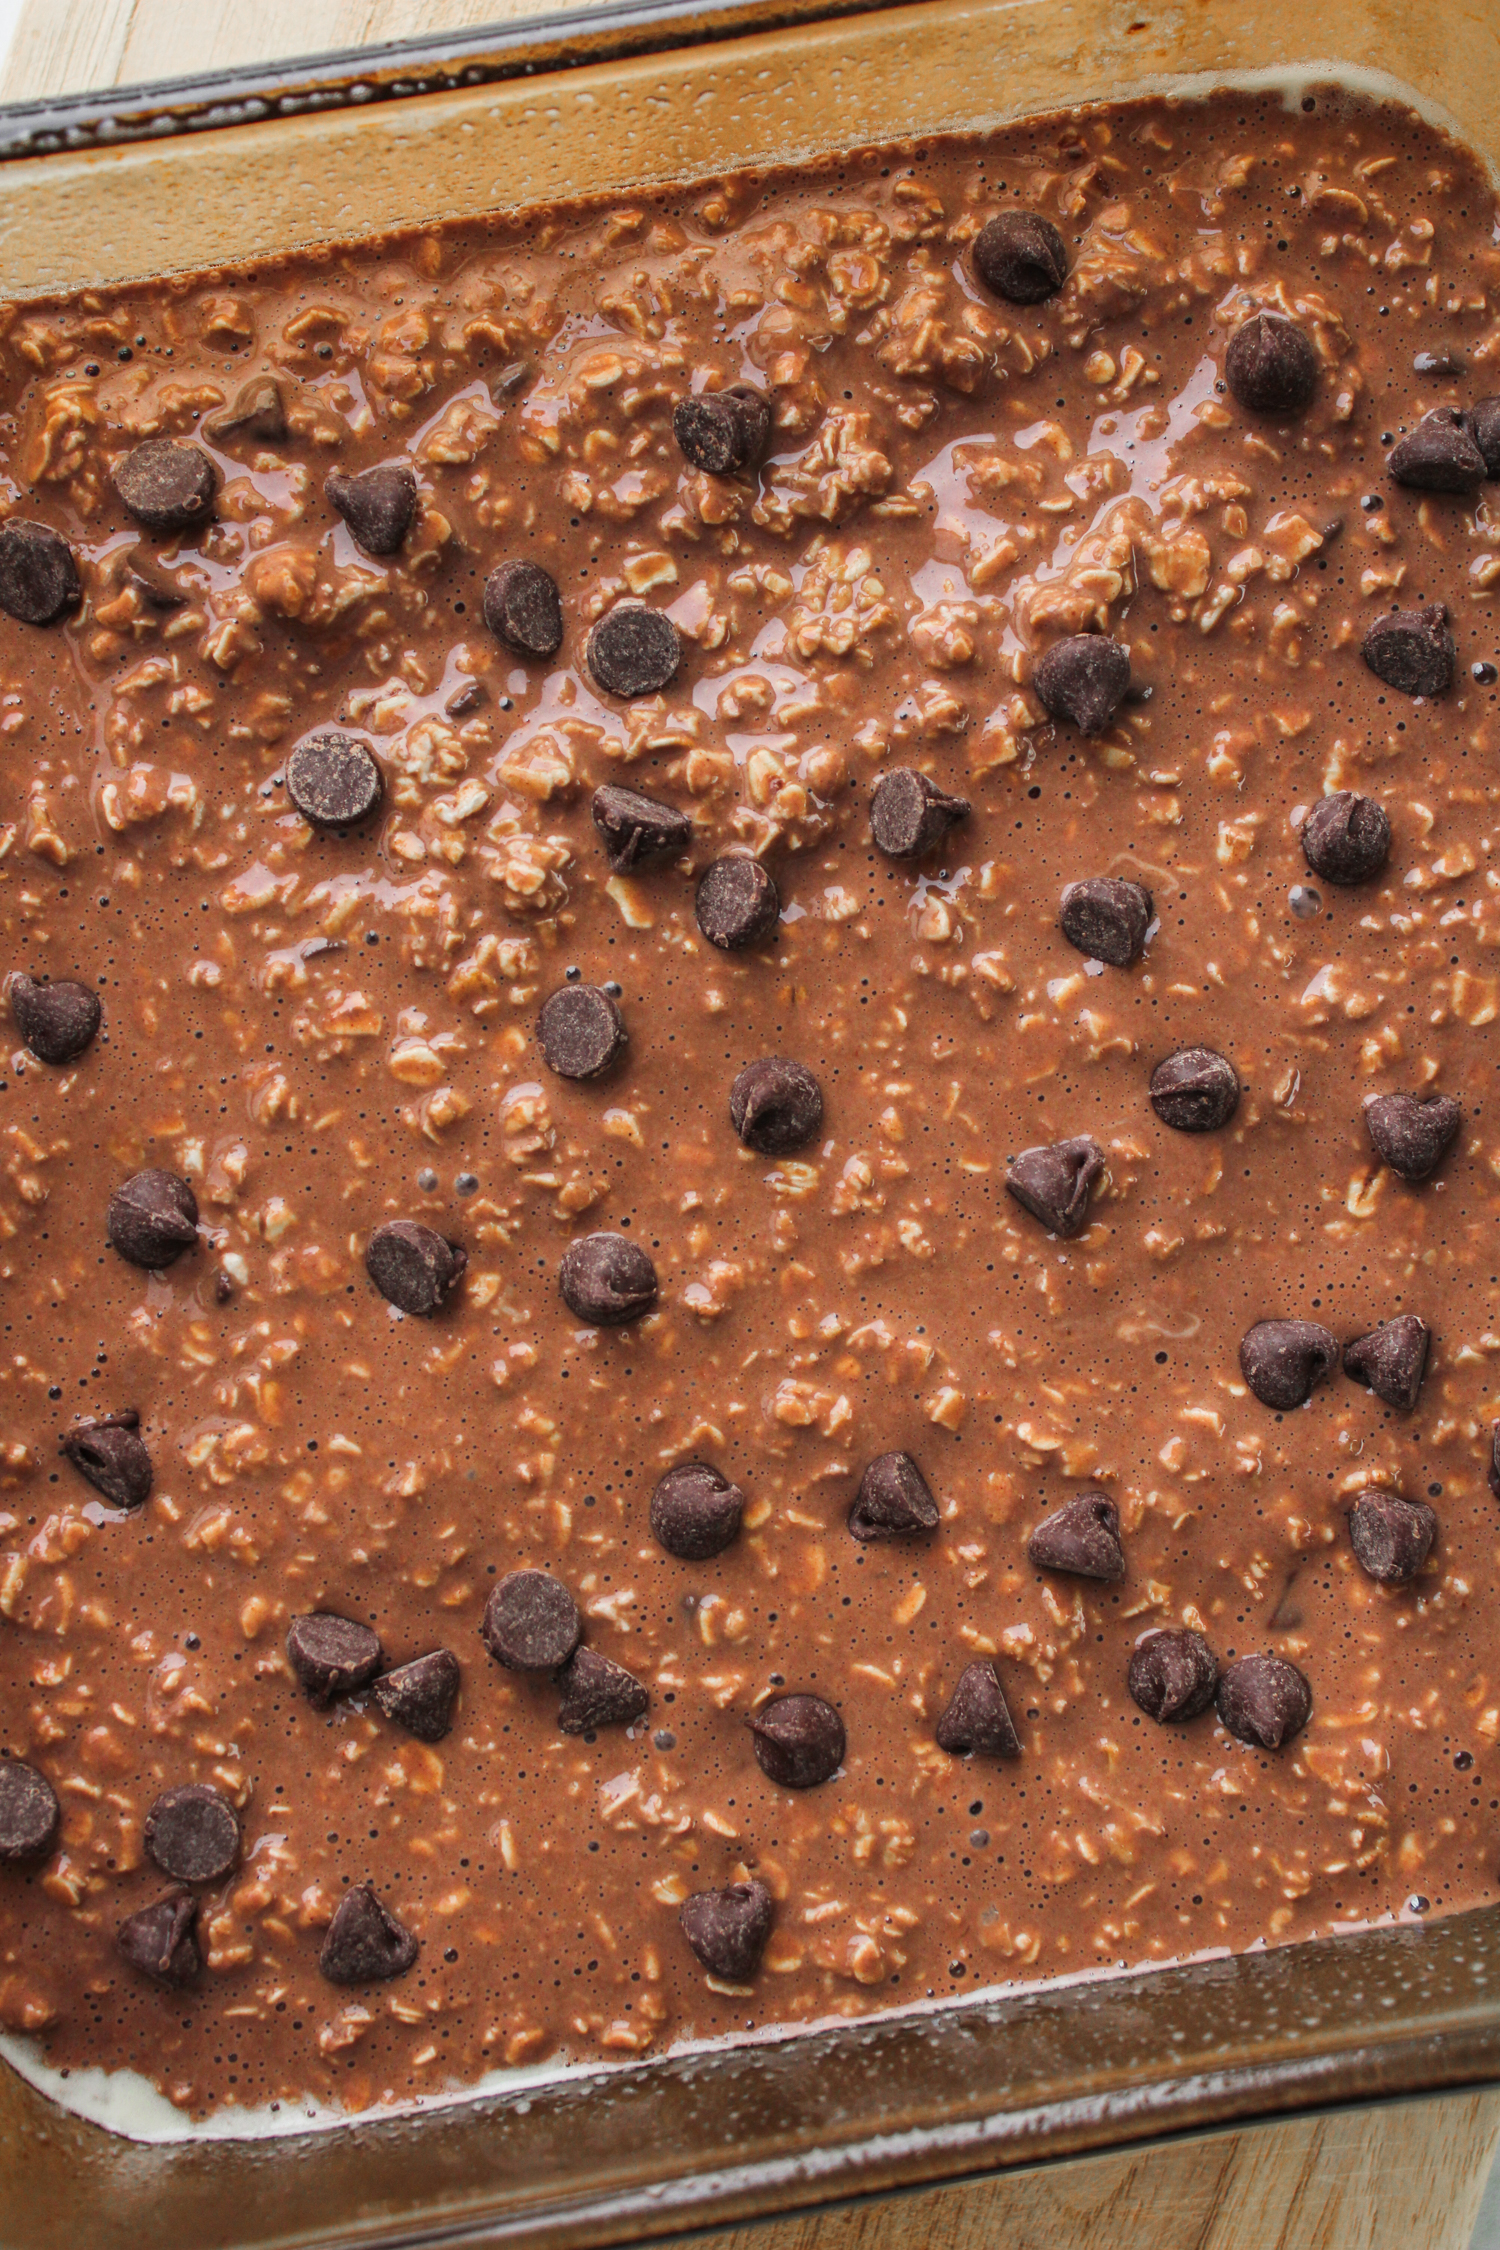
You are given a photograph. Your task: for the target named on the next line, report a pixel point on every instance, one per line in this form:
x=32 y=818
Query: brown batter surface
x=321 y=1030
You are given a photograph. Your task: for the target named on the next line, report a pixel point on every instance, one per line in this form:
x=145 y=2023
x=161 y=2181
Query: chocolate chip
x=333 y=780
x=633 y=651
x=166 y=486
x=799 y=1741
x=1439 y=455
x=1283 y=1361
x=977 y=1718
x=38 y=576
x=29 y=1812
x=413 y=1266
x=1083 y=680
x=607 y=1280
x=523 y=608
x=1263 y=1700
x=1271 y=366
x=152 y=1219
x=1412 y=1132
x=775 y=1106
x=1053 y=1182
x=1392 y=1359
x=1436 y=363
x=1494 y=1464
x=365 y=1943
x=377 y=505
x=1020 y=256
x=728 y=1929
x=420 y=1696
x=736 y=903
x=1173 y=1675
x=894 y=1498
x=723 y=432
x=910 y=815
x=1484 y=426
x=1345 y=838
x=162 y=1941
x=597 y=1692
x=1106 y=917
x=57 y=1020
x=695 y=1512
x=582 y=1032
x=531 y=1622
x=193 y=1834
x=332 y=1655
x=1391 y=1537
x=1081 y=1538
x=1195 y=1090
x=258 y=410
x=1412 y=650
x=637 y=831
x=110 y=1452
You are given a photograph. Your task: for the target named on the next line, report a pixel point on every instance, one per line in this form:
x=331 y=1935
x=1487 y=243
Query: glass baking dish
x=179 y=178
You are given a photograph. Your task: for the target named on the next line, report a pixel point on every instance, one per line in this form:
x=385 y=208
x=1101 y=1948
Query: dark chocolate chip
x=637 y=831
x=377 y=505
x=332 y=1655
x=1283 y=1361
x=166 y=486
x=736 y=903
x=161 y=1941
x=977 y=1718
x=38 y=576
x=531 y=1622
x=1173 y=1675
x=1081 y=1538
x=110 y=1452
x=1412 y=1132
x=728 y=1929
x=582 y=1032
x=723 y=432
x=1263 y=1700
x=1345 y=838
x=29 y=1812
x=193 y=1834
x=1083 y=680
x=413 y=1266
x=257 y=409
x=1412 y=650
x=633 y=651
x=472 y=696
x=1392 y=1359
x=910 y=815
x=365 y=1943
x=57 y=1020
x=1439 y=455
x=1391 y=1537
x=695 y=1512
x=607 y=1280
x=420 y=1696
x=1271 y=366
x=509 y=379
x=1494 y=1462
x=1020 y=256
x=597 y=1692
x=1053 y=1182
x=776 y=1106
x=1195 y=1090
x=523 y=608
x=333 y=780
x=1484 y=425
x=799 y=1741
x=1106 y=917
x=894 y=1498
x=152 y=1219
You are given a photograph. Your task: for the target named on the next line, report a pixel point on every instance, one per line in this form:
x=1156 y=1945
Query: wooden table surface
x=1407 y=2176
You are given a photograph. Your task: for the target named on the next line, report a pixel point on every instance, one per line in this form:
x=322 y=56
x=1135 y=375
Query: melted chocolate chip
x=413 y=1266
x=1106 y=918
x=637 y=831
x=378 y=505
x=633 y=651
x=1271 y=366
x=166 y=486
x=57 y=1020
x=1083 y=680
x=365 y=1943
x=1053 y=1182
x=728 y=1929
x=152 y=1219
x=111 y=1454
x=1195 y=1091
x=1412 y=650
x=1263 y=1700
x=38 y=575
x=1173 y=1675
x=910 y=815
x=894 y=1499
x=977 y=1718
x=332 y=1655
x=1484 y=426
x=1345 y=838
x=799 y=1741
x=1283 y=1361
x=597 y=1692
x=1020 y=256
x=582 y=1032
x=193 y=1834
x=523 y=608
x=695 y=1512
x=420 y=1695
x=29 y=1812
x=736 y=903
x=1392 y=1359
x=531 y=1622
x=723 y=432
x=1391 y=1537
x=1412 y=1132
x=333 y=780
x=161 y=1941
x=1439 y=455
x=258 y=411
x=1081 y=1538
x=776 y=1106
x=607 y=1280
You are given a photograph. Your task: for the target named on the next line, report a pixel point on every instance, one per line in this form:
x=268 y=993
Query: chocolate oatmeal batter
x=747 y=1183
